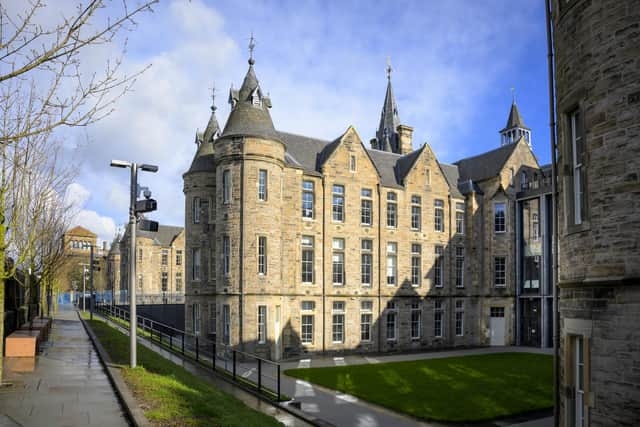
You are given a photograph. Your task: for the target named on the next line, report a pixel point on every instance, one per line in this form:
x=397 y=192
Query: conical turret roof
x=515 y=119
x=387 y=134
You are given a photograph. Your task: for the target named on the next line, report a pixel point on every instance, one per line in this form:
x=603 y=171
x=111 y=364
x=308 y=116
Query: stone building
x=159 y=266
x=296 y=244
x=597 y=84
x=77 y=243
x=113 y=269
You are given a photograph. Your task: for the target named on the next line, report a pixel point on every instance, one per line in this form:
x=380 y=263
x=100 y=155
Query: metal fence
x=259 y=374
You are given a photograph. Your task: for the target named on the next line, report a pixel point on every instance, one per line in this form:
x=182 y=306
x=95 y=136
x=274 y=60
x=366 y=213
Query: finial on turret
x=213 y=98
x=252 y=46
x=513 y=95
x=389 y=69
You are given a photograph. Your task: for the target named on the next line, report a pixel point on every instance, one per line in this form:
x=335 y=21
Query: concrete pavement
x=65 y=385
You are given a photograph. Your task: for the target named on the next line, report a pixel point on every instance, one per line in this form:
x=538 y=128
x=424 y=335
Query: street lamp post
x=133 y=323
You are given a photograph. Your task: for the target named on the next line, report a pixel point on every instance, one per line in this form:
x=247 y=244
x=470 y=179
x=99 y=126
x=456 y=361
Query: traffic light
x=95 y=264
x=148 y=225
x=146 y=205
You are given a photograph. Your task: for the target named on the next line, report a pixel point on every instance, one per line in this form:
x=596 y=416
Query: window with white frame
x=337 y=257
x=460 y=218
x=226 y=255
x=438 y=267
x=196 y=210
x=438 y=215
x=416 y=264
x=262 y=184
x=500 y=271
x=366 y=206
x=416 y=212
x=196 y=264
x=459 y=318
x=392 y=209
x=366 y=259
x=500 y=217
x=577 y=166
x=262 y=324
x=366 y=318
x=392 y=321
x=196 y=319
x=438 y=315
x=226 y=324
x=416 y=320
x=307 y=259
x=262 y=255
x=337 y=203
x=392 y=263
x=306 y=331
x=459 y=266
x=226 y=186
x=337 y=316
x=307 y=199
x=352 y=163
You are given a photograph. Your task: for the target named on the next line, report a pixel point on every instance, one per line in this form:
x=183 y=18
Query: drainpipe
x=380 y=270
x=324 y=266
x=554 y=231
x=452 y=330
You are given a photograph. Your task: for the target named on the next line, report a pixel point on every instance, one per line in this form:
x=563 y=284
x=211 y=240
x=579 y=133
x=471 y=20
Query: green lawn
x=458 y=389
x=171 y=396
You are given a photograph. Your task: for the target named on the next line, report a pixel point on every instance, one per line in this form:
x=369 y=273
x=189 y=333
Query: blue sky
x=323 y=63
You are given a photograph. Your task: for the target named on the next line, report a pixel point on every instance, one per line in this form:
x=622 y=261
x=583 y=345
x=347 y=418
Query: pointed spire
x=252 y=46
x=515 y=128
x=213 y=129
x=389 y=119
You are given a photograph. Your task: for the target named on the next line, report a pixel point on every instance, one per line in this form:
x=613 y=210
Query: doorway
x=497 y=326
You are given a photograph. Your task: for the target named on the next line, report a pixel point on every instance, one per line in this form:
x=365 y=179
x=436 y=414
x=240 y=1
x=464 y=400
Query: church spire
x=515 y=128
x=212 y=130
x=387 y=135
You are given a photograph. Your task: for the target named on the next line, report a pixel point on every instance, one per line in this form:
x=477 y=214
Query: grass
x=172 y=396
x=456 y=389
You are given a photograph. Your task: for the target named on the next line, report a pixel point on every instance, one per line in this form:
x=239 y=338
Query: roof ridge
x=504 y=147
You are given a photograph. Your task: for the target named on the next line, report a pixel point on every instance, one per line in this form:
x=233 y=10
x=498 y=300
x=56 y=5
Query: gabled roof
x=386 y=163
x=452 y=176
x=81 y=231
x=406 y=162
x=164 y=236
x=486 y=165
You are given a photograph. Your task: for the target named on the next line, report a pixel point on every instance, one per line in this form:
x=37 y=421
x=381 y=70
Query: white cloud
x=76 y=196
x=103 y=226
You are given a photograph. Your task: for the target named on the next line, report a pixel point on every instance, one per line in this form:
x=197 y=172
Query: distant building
x=296 y=244
x=113 y=269
x=159 y=266
x=597 y=76
x=77 y=243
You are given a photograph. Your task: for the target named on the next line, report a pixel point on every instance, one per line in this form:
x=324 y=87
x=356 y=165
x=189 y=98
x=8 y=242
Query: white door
x=496 y=326
x=276 y=331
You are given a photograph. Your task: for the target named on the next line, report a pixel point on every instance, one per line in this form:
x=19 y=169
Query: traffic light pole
x=133 y=324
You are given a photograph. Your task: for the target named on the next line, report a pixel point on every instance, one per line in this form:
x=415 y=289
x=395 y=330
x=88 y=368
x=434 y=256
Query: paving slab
x=67 y=385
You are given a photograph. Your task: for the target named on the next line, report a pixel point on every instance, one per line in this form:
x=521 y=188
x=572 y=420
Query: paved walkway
x=64 y=386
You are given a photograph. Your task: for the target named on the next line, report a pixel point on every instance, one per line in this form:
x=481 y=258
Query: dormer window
x=256 y=100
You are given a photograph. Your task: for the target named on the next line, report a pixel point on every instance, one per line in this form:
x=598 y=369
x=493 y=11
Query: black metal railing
x=260 y=374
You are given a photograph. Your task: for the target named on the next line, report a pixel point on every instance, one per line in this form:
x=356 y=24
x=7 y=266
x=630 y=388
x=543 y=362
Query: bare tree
x=48 y=79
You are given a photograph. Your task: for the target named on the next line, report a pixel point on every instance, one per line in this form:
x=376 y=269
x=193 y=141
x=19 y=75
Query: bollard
x=259 y=375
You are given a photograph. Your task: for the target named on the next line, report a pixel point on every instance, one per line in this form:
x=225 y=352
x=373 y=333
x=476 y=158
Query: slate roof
x=203 y=161
x=451 y=174
x=163 y=237
x=485 y=165
x=389 y=121
x=515 y=119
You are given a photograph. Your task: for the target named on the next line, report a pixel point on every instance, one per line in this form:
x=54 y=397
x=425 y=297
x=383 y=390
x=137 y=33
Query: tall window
x=262 y=255
x=392 y=263
x=178 y=282
x=366 y=207
x=307 y=199
x=438 y=314
x=459 y=266
x=164 y=277
x=459 y=318
x=392 y=321
x=195 y=314
x=500 y=271
x=262 y=324
x=416 y=320
x=416 y=212
x=212 y=317
x=140 y=282
x=226 y=186
x=337 y=315
x=196 y=210
x=416 y=262
x=165 y=257
x=577 y=166
x=392 y=209
x=262 y=184
x=204 y=210
x=535 y=225
x=438 y=267
x=307 y=259
x=338 y=261
x=196 y=264
x=366 y=317
x=226 y=324
x=366 y=261
x=499 y=217
x=337 y=204
x=306 y=332
x=140 y=255
x=427 y=176
x=352 y=163
x=438 y=215
x=178 y=257
x=460 y=218
x=226 y=255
